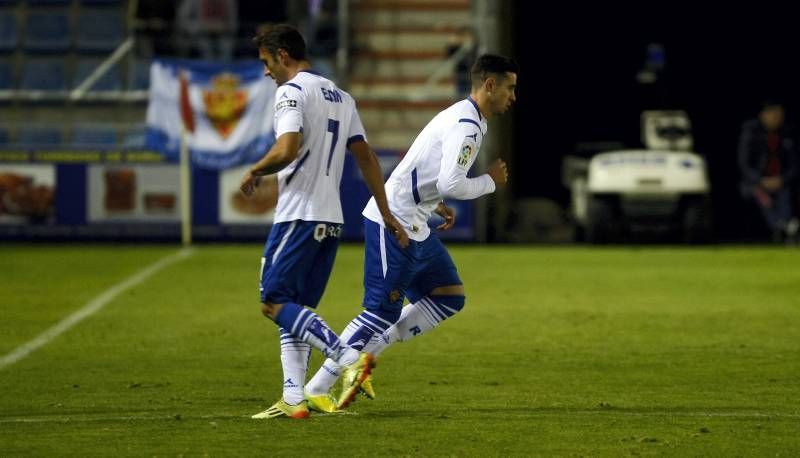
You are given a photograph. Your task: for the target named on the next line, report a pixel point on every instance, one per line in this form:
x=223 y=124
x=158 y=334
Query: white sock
x=415 y=319
x=329 y=373
x=358 y=334
x=294 y=360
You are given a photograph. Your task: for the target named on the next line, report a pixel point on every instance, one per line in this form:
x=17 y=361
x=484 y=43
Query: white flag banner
x=231 y=105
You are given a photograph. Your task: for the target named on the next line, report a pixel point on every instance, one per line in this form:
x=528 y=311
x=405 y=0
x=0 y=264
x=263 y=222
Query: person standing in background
x=768 y=164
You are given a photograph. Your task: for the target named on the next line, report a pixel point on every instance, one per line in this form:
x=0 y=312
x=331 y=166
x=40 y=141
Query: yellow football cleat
x=366 y=387
x=282 y=409
x=322 y=403
x=354 y=376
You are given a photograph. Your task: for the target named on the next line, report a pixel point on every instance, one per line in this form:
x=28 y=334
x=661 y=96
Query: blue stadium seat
x=6 y=75
x=4 y=136
x=39 y=135
x=139 y=75
x=110 y=81
x=96 y=135
x=100 y=30
x=134 y=136
x=44 y=75
x=8 y=30
x=47 y=31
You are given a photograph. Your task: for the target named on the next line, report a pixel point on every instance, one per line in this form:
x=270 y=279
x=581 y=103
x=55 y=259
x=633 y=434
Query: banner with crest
x=230 y=106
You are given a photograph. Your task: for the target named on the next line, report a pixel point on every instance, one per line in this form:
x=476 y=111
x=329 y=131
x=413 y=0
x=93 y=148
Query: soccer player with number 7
x=315 y=122
x=434 y=168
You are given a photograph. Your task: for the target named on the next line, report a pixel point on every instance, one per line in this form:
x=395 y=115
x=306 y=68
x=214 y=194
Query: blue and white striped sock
x=358 y=333
x=294 y=359
x=417 y=318
x=312 y=329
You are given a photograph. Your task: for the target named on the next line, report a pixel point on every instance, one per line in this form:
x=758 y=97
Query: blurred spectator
x=153 y=28
x=768 y=164
x=317 y=20
x=324 y=36
x=208 y=26
x=463 y=38
x=252 y=14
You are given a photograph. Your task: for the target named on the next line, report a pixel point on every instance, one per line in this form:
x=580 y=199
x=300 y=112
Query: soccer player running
x=315 y=122
x=434 y=168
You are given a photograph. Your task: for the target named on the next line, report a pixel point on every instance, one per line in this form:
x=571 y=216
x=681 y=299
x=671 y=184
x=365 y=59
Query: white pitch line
x=90 y=308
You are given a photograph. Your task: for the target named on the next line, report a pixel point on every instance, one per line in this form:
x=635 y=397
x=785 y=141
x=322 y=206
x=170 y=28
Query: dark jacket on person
x=754 y=154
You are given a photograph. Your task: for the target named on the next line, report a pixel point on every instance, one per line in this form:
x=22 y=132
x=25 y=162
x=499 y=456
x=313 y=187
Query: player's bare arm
x=282 y=153
x=373 y=176
x=448 y=214
x=498 y=171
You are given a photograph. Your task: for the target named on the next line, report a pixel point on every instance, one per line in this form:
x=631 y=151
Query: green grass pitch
x=558 y=352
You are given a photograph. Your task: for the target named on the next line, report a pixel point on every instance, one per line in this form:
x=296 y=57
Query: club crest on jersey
x=394 y=295
x=464 y=155
x=225 y=103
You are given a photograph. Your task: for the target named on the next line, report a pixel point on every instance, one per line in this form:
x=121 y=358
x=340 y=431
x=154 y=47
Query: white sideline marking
x=90 y=308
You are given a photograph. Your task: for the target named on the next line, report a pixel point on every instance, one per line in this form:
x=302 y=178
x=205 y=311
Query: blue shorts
x=392 y=273
x=298 y=259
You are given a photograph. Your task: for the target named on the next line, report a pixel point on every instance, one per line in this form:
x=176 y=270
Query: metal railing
x=82 y=92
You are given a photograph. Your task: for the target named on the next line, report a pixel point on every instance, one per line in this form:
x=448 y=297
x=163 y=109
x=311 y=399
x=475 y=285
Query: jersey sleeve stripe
x=355 y=138
x=471 y=121
x=299 y=164
x=414 y=189
x=294 y=85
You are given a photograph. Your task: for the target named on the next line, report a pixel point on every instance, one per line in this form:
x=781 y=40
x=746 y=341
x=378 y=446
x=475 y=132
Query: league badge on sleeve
x=464 y=155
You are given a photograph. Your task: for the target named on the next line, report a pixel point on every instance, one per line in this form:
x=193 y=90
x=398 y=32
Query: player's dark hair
x=273 y=37
x=769 y=103
x=488 y=65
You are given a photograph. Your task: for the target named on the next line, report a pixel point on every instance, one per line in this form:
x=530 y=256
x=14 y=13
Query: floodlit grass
x=559 y=351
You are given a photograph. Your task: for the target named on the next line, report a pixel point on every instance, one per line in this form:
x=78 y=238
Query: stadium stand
x=48 y=2
x=8 y=30
x=139 y=74
x=110 y=81
x=134 y=136
x=6 y=75
x=94 y=135
x=47 y=31
x=44 y=74
x=99 y=30
x=34 y=135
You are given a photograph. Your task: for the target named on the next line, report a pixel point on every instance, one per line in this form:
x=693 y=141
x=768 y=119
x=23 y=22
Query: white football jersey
x=308 y=188
x=435 y=167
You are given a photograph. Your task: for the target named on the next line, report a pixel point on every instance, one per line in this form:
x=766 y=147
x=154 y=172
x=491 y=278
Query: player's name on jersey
x=82 y=155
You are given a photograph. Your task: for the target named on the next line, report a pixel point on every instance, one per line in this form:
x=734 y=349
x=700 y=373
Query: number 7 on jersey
x=333 y=128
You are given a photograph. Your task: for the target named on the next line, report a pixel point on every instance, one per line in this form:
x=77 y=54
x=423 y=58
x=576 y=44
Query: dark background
x=578 y=83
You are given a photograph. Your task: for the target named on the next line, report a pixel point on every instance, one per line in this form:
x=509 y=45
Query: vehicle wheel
x=601 y=224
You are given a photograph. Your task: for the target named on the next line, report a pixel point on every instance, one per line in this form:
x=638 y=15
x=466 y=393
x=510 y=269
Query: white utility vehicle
x=663 y=188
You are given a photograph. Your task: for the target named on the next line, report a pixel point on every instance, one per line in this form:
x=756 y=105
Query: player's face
x=772 y=118
x=504 y=93
x=272 y=66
